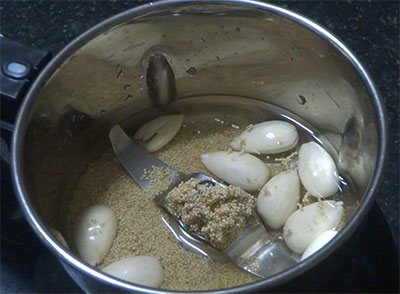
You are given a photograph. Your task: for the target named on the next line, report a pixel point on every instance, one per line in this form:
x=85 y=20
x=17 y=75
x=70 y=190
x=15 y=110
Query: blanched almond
x=278 y=199
x=318 y=243
x=142 y=270
x=317 y=170
x=157 y=133
x=236 y=168
x=268 y=137
x=95 y=230
x=306 y=223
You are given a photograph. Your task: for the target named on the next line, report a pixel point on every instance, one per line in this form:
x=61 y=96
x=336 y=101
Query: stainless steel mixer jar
x=240 y=48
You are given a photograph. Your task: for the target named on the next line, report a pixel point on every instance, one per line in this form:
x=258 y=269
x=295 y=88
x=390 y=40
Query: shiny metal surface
x=240 y=48
x=160 y=80
x=191 y=243
x=258 y=253
x=137 y=161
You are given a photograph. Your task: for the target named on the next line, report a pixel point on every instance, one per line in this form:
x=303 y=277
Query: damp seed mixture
x=214 y=212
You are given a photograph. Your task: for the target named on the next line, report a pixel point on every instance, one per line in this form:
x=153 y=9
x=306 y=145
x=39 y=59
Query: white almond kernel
x=157 y=133
x=94 y=232
x=317 y=171
x=318 y=243
x=268 y=137
x=278 y=199
x=306 y=223
x=236 y=168
x=142 y=270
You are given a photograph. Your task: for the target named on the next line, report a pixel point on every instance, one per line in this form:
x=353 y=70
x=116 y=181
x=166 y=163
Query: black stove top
x=368 y=262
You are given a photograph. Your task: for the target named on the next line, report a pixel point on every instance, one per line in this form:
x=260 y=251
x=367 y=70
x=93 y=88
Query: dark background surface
x=369 y=29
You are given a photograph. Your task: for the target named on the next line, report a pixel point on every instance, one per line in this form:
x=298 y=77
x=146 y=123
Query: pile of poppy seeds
x=141 y=230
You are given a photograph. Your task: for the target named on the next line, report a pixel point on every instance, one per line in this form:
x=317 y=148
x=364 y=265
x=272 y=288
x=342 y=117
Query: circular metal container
x=240 y=48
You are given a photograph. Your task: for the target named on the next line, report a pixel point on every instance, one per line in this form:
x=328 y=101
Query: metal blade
x=134 y=158
x=257 y=253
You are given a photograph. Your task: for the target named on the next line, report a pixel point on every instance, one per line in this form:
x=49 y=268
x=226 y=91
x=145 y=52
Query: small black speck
x=237 y=30
x=192 y=71
x=119 y=71
x=127 y=97
x=301 y=99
